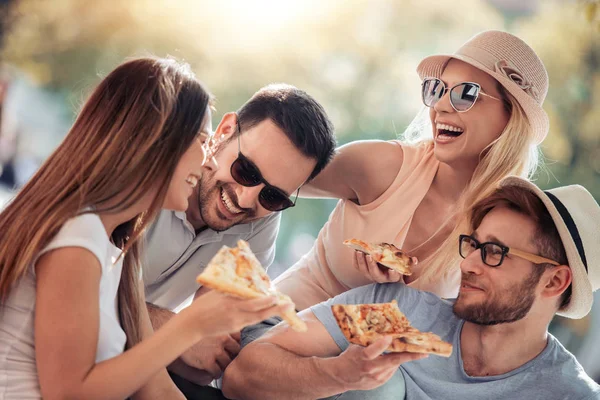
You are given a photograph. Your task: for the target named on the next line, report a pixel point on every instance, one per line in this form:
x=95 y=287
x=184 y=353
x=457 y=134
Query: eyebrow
x=494 y=239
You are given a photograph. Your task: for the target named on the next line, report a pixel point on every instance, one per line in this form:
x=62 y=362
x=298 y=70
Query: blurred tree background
x=357 y=57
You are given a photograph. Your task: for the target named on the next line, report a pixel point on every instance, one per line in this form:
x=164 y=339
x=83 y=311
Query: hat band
x=568 y=220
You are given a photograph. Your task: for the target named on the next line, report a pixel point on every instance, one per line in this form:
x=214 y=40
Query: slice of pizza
x=363 y=324
x=237 y=271
x=385 y=254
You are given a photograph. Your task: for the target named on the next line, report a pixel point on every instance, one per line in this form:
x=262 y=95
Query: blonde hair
x=514 y=152
x=125 y=143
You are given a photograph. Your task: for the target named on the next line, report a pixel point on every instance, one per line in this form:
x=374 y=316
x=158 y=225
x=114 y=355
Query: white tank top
x=18 y=372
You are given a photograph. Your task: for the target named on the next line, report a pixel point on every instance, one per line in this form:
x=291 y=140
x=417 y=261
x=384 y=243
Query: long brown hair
x=125 y=143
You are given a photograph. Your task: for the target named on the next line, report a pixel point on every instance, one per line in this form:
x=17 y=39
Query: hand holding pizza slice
x=385 y=254
x=363 y=324
x=237 y=271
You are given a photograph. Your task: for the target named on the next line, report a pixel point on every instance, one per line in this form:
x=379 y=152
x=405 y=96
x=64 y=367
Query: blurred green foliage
x=358 y=58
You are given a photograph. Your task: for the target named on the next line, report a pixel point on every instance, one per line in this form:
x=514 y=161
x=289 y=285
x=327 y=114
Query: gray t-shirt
x=174 y=255
x=553 y=374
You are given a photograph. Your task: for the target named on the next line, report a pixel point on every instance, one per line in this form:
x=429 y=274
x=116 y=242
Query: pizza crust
x=385 y=254
x=237 y=271
x=362 y=324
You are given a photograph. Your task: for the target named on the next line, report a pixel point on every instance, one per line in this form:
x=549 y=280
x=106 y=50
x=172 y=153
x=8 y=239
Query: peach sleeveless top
x=327 y=270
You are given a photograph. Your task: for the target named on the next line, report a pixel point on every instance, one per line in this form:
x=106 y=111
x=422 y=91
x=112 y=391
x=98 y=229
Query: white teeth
x=192 y=180
x=447 y=127
x=229 y=204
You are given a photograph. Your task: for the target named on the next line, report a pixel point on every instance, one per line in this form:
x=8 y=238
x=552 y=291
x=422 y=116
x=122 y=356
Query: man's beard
x=513 y=305
x=209 y=192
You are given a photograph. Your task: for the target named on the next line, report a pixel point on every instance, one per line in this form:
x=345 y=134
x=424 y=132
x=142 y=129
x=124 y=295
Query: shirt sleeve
x=85 y=231
x=262 y=240
x=253 y=332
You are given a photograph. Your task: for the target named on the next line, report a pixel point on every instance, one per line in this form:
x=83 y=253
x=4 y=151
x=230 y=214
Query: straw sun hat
x=511 y=62
x=577 y=218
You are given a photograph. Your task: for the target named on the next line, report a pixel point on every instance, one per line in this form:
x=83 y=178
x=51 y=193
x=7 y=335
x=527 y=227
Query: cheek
x=486 y=129
x=223 y=172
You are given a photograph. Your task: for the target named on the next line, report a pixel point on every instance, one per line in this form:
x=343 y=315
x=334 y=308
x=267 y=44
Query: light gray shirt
x=174 y=255
x=553 y=374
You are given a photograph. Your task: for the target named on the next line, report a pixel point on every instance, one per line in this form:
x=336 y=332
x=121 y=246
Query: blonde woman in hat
x=485 y=122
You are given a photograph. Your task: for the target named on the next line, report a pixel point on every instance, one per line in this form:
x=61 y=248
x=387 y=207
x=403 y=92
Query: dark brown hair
x=298 y=115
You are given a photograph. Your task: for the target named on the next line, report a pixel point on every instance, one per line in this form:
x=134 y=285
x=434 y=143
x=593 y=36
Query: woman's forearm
x=121 y=376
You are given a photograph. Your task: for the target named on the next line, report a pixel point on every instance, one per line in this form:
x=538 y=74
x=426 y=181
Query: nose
x=248 y=196
x=443 y=105
x=473 y=264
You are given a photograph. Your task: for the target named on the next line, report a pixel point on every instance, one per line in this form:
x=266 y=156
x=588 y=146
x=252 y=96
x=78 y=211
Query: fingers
x=387 y=374
x=258 y=304
x=393 y=276
x=223 y=360
x=378 y=275
x=237 y=336
x=360 y=263
x=372 y=270
x=377 y=348
x=400 y=358
x=214 y=370
x=232 y=346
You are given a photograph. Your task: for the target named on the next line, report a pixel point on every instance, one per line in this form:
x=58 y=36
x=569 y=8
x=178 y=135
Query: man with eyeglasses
x=278 y=140
x=530 y=254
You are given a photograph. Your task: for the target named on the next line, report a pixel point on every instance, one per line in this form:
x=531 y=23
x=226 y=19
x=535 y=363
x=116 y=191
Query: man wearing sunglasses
x=529 y=255
x=277 y=141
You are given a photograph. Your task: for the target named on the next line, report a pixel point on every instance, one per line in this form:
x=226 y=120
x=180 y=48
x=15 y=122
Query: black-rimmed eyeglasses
x=492 y=254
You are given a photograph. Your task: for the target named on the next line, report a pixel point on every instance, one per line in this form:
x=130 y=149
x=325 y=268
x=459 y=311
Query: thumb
x=376 y=348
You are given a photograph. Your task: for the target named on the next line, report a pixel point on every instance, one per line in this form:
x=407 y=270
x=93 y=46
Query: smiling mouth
x=228 y=203
x=447 y=132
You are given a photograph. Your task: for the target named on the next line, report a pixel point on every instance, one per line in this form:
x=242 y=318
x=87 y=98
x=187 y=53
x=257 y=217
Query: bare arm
x=360 y=171
x=285 y=364
x=158 y=316
x=68 y=280
x=66 y=341
x=195 y=364
x=160 y=386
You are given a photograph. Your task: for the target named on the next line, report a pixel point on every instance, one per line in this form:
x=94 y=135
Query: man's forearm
x=158 y=316
x=267 y=371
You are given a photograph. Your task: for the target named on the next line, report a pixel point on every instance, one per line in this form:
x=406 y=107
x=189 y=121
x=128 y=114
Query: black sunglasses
x=462 y=96
x=492 y=254
x=246 y=173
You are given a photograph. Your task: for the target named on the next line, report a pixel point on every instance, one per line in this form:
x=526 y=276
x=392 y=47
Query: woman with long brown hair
x=70 y=282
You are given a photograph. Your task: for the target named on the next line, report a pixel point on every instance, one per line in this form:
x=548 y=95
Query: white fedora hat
x=511 y=62
x=577 y=218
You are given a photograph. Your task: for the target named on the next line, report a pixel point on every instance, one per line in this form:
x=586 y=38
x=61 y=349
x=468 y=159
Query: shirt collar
x=234 y=230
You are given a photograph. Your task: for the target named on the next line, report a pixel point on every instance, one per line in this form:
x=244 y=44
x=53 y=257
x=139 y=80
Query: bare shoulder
x=360 y=171
x=380 y=162
x=66 y=261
